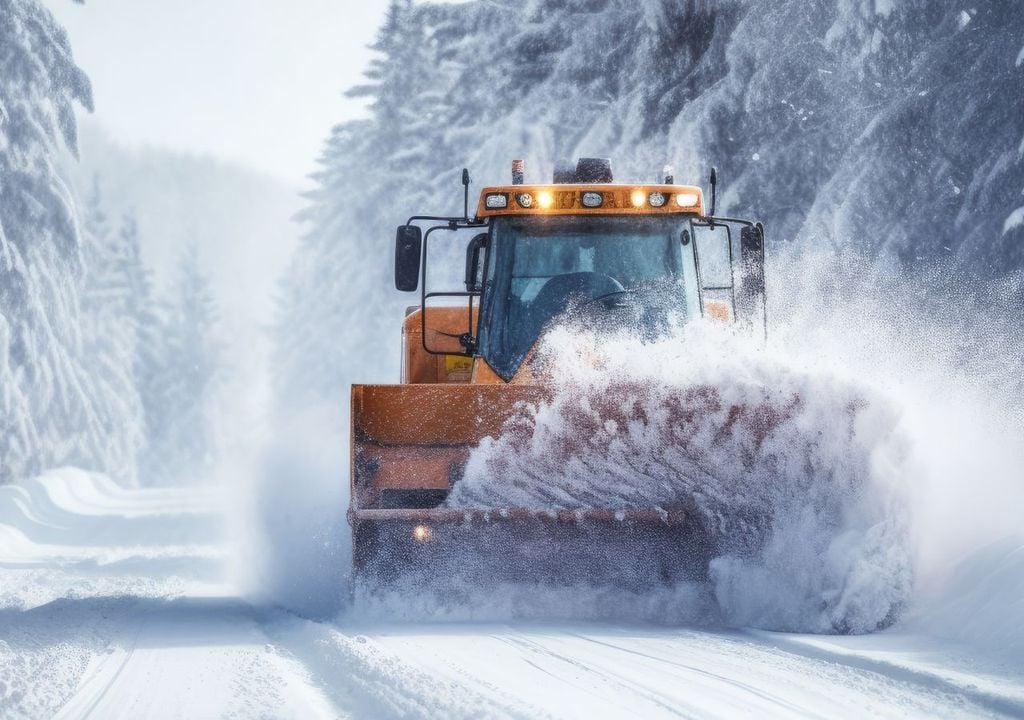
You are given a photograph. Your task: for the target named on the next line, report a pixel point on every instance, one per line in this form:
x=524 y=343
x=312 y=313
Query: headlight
x=656 y=199
x=496 y=201
x=525 y=200
x=687 y=199
x=545 y=199
x=592 y=199
x=422 y=533
x=638 y=198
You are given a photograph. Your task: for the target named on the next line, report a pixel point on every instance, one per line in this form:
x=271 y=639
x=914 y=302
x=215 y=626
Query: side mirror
x=408 y=251
x=752 y=256
x=474 y=264
x=750 y=292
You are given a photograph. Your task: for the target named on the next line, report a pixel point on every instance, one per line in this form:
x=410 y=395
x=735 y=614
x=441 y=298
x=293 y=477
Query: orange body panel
x=408 y=468
x=433 y=415
x=718 y=311
x=421 y=367
x=418 y=437
x=444 y=325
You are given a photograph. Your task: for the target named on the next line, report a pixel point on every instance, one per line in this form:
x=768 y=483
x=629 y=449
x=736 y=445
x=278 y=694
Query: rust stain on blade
x=426 y=415
x=409 y=468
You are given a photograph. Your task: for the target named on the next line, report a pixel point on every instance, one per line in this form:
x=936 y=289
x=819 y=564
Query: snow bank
x=980 y=600
x=74 y=508
x=797 y=477
x=72 y=533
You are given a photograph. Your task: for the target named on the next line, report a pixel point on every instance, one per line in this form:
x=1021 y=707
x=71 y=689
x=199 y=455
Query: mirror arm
x=453 y=223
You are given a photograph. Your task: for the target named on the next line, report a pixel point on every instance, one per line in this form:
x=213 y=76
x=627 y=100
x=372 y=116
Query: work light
x=496 y=201
x=686 y=199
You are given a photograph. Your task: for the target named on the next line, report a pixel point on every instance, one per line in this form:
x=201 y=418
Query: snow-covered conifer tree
x=110 y=297
x=46 y=413
x=178 y=379
x=366 y=167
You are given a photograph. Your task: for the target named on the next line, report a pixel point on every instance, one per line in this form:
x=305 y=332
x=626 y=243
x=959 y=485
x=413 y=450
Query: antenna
x=714 y=185
x=465 y=193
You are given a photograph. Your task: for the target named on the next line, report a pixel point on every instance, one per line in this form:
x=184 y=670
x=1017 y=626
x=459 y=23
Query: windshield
x=626 y=270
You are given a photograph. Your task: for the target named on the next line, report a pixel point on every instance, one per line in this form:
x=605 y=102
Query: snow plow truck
x=532 y=253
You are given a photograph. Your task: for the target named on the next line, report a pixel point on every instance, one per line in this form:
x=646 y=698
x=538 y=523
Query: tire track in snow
x=834 y=672
x=368 y=680
x=661 y=697
x=927 y=680
x=194 y=657
x=612 y=678
x=587 y=671
x=769 y=698
x=97 y=682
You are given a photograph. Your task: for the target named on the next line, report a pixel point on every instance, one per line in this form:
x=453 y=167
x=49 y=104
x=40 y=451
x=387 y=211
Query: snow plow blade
x=410 y=444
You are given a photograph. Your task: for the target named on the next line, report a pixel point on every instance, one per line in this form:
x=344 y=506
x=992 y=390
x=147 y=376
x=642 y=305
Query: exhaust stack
x=518 y=172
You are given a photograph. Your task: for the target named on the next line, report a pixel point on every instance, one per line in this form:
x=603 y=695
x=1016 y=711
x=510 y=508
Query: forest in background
x=891 y=128
x=121 y=273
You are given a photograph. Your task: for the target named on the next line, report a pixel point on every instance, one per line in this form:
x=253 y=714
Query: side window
x=713 y=255
x=449 y=309
x=713 y=247
x=684 y=241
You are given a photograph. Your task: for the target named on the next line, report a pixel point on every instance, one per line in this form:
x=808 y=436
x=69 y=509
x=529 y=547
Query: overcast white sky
x=254 y=81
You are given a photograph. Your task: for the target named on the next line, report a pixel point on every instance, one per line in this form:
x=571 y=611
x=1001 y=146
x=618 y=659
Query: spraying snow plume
x=949 y=349
x=291 y=539
x=866 y=461
x=797 y=477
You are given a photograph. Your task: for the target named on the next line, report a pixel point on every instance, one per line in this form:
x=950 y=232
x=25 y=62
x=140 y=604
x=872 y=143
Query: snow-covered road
x=114 y=605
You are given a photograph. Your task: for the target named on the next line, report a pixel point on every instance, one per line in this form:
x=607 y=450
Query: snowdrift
x=980 y=601
x=72 y=533
x=73 y=508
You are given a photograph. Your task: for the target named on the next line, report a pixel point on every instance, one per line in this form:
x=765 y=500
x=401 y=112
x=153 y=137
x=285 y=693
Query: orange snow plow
x=583 y=244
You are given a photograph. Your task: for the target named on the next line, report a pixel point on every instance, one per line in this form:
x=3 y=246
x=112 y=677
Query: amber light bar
x=598 y=199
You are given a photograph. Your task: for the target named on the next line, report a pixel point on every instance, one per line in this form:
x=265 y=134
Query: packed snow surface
x=116 y=604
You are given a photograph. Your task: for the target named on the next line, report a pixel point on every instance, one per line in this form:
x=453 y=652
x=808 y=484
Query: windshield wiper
x=605 y=296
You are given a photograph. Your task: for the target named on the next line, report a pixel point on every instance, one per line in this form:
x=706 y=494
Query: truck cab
x=613 y=256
